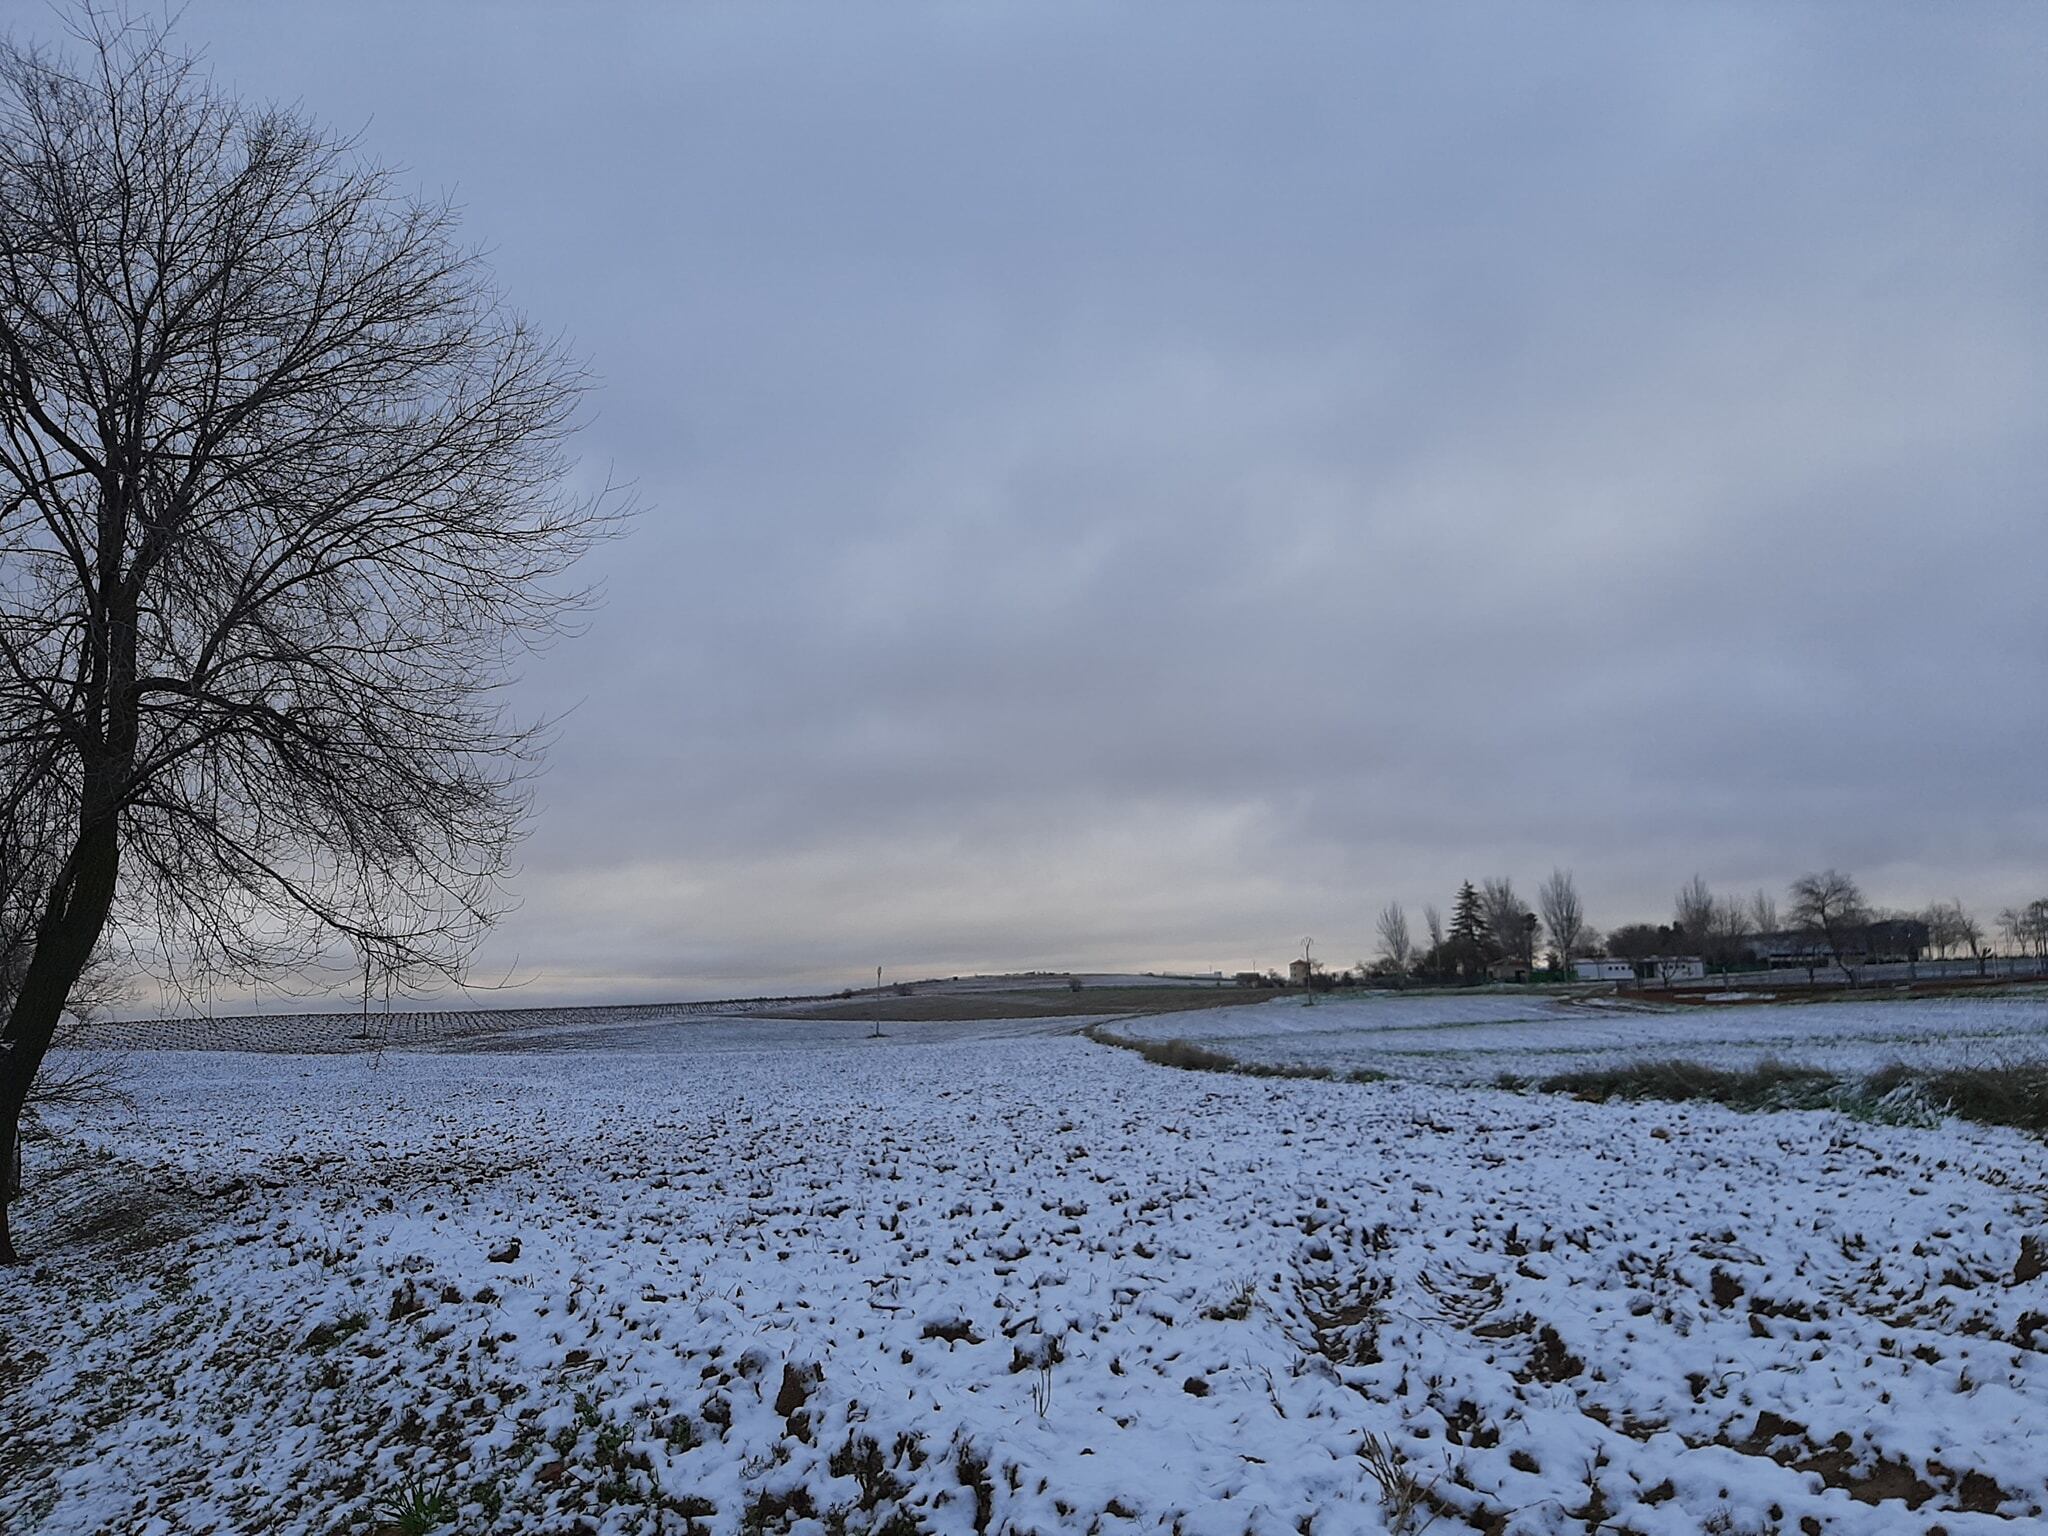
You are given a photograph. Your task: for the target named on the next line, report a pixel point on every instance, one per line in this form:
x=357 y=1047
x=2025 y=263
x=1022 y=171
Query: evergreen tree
x=1468 y=946
x=1467 y=921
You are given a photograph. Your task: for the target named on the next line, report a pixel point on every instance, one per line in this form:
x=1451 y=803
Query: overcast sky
x=1132 y=486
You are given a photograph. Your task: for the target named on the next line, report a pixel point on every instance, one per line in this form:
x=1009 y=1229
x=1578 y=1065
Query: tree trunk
x=65 y=938
x=10 y=1181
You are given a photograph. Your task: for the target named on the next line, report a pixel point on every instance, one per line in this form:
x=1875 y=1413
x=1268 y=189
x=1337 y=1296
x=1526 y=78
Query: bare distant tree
x=1394 y=941
x=1433 y=920
x=280 y=506
x=1692 y=913
x=1763 y=913
x=1507 y=919
x=1970 y=934
x=1564 y=917
x=1946 y=924
x=1728 y=932
x=1829 y=907
x=1934 y=915
x=2012 y=926
x=1714 y=928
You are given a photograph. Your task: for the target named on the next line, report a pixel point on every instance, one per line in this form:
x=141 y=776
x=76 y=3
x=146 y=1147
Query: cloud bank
x=1132 y=487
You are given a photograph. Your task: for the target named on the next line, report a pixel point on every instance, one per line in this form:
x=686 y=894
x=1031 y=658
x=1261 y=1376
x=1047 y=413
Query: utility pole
x=1308 y=976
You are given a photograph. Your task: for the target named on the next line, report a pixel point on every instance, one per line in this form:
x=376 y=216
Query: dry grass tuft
x=1404 y=1498
x=1189 y=1057
x=2011 y=1094
x=1769 y=1084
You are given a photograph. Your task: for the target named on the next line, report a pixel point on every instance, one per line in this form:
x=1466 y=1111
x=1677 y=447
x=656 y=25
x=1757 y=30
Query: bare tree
x=1934 y=919
x=1970 y=934
x=1564 y=916
x=1507 y=919
x=2032 y=928
x=1394 y=941
x=2012 y=926
x=280 y=507
x=1728 y=933
x=1829 y=907
x=1433 y=920
x=1763 y=913
x=1692 y=913
x=1714 y=928
x=1947 y=923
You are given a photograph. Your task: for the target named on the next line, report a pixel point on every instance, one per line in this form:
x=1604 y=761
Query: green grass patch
x=417 y=1508
x=2013 y=1095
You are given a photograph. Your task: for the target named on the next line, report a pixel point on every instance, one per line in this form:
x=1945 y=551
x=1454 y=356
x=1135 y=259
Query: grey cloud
x=1131 y=486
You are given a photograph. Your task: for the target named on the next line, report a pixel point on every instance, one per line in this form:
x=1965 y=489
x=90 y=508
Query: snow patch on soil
x=1018 y=1284
x=1476 y=1038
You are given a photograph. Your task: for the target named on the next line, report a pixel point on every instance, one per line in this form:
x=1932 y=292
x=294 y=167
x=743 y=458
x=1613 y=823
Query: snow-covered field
x=412 y=1028
x=773 y=1277
x=1476 y=1037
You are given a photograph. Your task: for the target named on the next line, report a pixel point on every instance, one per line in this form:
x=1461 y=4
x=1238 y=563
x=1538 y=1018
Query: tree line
x=1825 y=918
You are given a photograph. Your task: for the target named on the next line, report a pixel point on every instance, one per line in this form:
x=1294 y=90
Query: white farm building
x=1600 y=968
x=1665 y=968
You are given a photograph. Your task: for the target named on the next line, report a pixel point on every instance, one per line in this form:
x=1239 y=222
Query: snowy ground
x=1475 y=1037
x=374 y=1029
x=765 y=1277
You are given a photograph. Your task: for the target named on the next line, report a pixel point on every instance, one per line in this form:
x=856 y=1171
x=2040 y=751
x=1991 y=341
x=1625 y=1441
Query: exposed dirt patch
x=1867 y=1480
x=1550 y=1361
